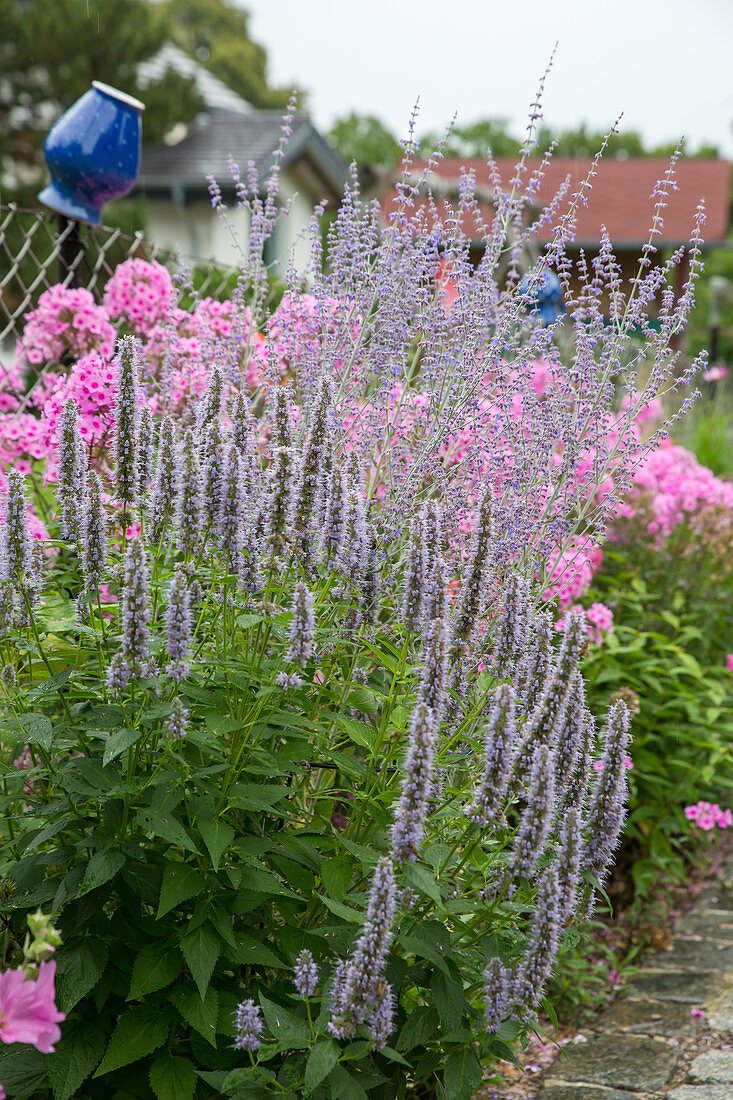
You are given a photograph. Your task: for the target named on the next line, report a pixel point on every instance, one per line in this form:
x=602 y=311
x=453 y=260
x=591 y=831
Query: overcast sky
x=666 y=64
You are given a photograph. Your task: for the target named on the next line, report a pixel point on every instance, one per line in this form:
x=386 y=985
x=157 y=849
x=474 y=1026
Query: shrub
x=314 y=789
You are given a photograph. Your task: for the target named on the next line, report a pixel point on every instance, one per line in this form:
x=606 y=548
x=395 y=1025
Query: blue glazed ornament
x=93 y=153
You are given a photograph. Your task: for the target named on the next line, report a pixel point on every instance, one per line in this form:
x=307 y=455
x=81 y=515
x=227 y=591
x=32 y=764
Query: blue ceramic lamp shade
x=93 y=153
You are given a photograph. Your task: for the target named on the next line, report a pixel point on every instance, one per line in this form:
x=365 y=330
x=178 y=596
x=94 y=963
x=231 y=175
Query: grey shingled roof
x=212 y=137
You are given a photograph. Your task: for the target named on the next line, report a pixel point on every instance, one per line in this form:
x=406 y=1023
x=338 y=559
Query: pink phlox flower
x=28 y=1012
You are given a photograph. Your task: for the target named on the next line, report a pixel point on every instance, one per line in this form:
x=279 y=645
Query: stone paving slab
x=558 y=1090
x=717 y=924
x=696 y=955
x=619 y=1061
x=712 y=1067
x=701 y=1092
x=665 y=1018
x=683 y=986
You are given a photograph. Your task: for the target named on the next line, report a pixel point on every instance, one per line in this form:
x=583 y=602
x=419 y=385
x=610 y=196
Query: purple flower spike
x=248 y=1024
x=305 y=974
x=412 y=808
x=302 y=628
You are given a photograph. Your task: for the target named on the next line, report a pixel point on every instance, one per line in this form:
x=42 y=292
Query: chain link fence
x=39 y=249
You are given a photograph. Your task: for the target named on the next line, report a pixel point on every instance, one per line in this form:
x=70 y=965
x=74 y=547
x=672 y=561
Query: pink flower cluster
x=92 y=383
x=140 y=294
x=571 y=572
x=598 y=620
x=707 y=815
x=66 y=320
x=673 y=488
x=28 y=1012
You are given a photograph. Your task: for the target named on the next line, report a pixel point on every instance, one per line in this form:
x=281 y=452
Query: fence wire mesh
x=39 y=249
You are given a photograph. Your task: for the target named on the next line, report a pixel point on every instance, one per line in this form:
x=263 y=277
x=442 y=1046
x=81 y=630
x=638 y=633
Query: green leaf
x=284 y=1025
x=449 y=999
x=419 y=878
x=217 y=837
x=154 y=968
x=321 y=1060
x=139 y=1032
x=23 y=1070
x=102 y=867
x=118 y=742
x=258 y=796
x=364 y=699
x=173 y=1078
x=336 y=874
x=343 y=1086
x=201 y=949
x=77 y=1053
x=342 y=910
x=462 y=1075
x=167 y=826
x=49 y=686
x=78 y=969
x=38 y=728
x=420 y=1025
x=180 y=882
x=201 y=1015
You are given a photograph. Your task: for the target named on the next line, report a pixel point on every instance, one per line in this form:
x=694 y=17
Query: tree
x=216 y=33
x=366 y=140
x=52 y=50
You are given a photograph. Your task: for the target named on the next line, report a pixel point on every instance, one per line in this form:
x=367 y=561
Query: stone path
x=671 y=1034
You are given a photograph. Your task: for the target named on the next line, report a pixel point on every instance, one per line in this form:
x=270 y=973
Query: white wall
x=196 y=229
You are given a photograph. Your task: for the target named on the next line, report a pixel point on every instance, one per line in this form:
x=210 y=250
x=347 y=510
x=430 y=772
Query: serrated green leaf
x=343 y=1086
x=38 y=729
x=341 y=910
x=420 y=1025
x=284 y=1024
x=23 y=1069
x=462 y=1075
x=201 y=1015
x=102 y=867
x=201 y=949
x=180 y=882
x=167 y=826
x=118 y=741
x=153 y=969
x=421 y=879
x=49 y=686
x=217 y=837
x=449 y=999
x=172 y=1078
x=78 y=969
x=77 y=1053
x=139 y=1032
x=336 y=874
x=321 y=1060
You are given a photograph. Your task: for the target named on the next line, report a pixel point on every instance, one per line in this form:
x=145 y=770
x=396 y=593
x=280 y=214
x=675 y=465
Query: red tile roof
x=621 y=196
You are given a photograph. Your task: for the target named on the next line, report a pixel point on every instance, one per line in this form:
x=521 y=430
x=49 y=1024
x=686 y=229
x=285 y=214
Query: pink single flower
x=697 y=1014
x=715 y=374
x=692 y=813
x=28 y=1012
x=729 y=662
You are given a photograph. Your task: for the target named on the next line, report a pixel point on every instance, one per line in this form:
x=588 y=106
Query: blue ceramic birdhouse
x=93 y=153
